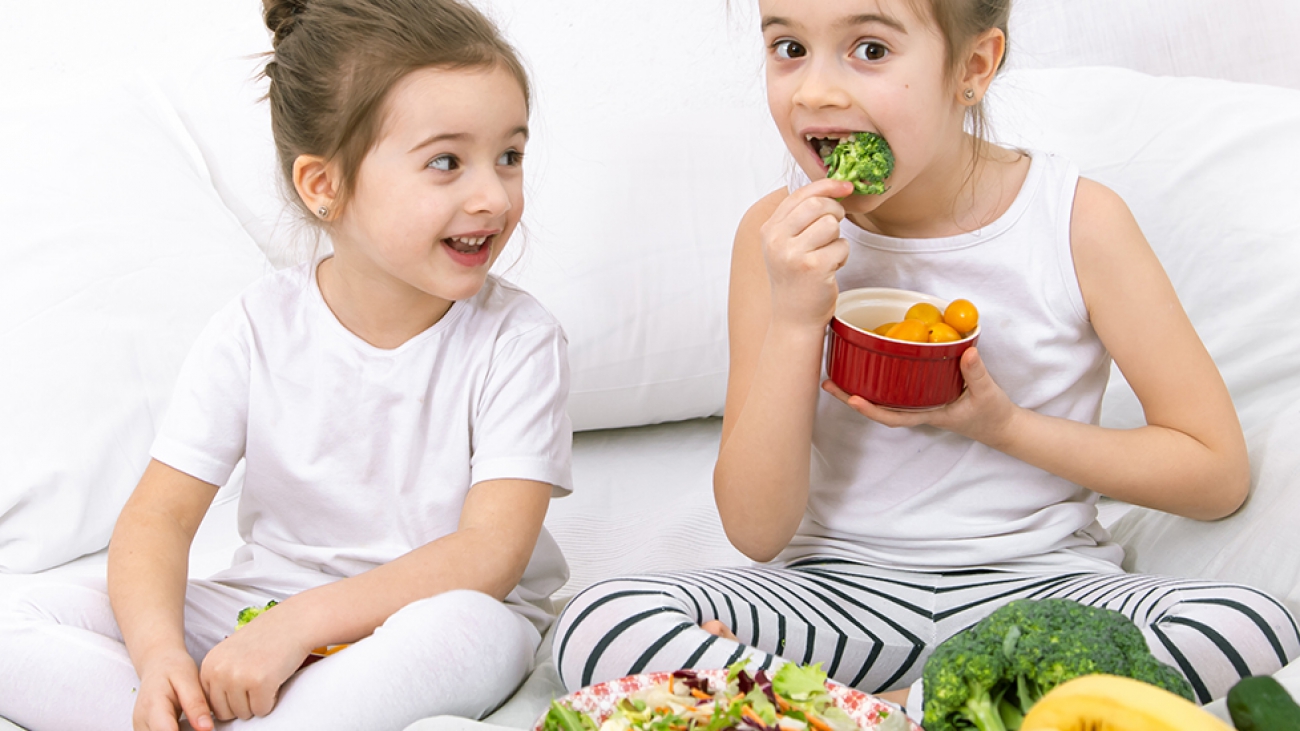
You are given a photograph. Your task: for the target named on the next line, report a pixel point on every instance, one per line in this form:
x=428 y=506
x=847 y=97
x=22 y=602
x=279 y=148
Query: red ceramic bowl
x=892 y=373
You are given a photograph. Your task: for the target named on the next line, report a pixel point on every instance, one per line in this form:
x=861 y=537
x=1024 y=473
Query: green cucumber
x=1260 y=703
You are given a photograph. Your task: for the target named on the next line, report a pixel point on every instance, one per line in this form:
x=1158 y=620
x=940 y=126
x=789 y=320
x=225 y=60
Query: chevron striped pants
x=873 y=628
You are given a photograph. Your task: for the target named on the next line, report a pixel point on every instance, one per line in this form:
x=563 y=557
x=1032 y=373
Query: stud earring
x=969 y=94
x=322 y=211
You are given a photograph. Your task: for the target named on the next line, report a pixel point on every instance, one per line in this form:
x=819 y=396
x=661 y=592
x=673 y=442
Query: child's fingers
x=880 y=414
x=195 y=705
x=973 y=370
x=261 y=700
x=825 y=190
x=807 y=204
x=158 y=717
x=220 y=705
x=830 y=257
x=819 y=215
x=817 y=235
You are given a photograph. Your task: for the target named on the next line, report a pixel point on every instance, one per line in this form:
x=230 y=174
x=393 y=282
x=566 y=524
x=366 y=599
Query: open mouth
x=467 y=245
x=822 y=146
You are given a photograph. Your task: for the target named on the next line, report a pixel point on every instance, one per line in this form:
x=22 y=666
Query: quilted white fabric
x=1244 y=40
x=116 y=252
x=1208 y=168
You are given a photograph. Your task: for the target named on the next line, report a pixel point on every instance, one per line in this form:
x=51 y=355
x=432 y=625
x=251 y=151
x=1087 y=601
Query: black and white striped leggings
x=873 y=628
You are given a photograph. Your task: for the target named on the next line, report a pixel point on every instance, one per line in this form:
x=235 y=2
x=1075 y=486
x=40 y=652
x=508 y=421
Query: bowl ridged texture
x=895 y=373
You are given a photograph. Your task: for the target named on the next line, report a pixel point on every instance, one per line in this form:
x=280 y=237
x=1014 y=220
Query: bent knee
x=38 y=600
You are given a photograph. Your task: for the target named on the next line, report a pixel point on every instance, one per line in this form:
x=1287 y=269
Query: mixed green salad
x=794 y=698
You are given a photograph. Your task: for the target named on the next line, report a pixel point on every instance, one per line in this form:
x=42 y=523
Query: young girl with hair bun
x=879 y=533
x=401 y=414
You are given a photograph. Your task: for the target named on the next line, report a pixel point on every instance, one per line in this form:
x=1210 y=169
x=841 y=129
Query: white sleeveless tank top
x=930 y=500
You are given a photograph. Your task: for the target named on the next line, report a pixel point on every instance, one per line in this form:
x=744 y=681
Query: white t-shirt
x=356 y=455
x=931 y=500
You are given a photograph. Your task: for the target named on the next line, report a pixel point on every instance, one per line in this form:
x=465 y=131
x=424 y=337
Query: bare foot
x=714 y=627
x=895 y=696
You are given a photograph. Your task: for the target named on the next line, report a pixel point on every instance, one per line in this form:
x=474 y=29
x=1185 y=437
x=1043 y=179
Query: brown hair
x=960 y=22
x=335 y=61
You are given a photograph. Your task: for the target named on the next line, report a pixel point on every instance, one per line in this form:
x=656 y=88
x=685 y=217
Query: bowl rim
x=902 y=294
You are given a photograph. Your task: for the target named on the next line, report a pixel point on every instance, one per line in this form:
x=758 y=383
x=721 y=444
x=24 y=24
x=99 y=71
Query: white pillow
x=643 y=158
x=1208 y=169
x=116 y=252
x=1258 y=546
x=1245 y=40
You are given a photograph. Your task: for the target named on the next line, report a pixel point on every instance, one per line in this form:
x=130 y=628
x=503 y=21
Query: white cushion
x=116 y=252
x=643 y=158
x=642 y=501
x=1208 y=168
x=1259 y=545
x=1245 y=40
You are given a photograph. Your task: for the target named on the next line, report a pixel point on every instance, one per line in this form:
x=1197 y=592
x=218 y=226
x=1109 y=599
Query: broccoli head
x=864 y=160
x=248 y=614
x=1039 y=644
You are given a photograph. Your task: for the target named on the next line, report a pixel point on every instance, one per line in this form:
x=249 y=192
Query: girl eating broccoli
x=879 y=533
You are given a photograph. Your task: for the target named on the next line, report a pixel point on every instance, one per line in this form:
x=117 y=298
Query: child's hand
x=168 y=687
x=242 y=675
x=981 y=413
x=803 y=249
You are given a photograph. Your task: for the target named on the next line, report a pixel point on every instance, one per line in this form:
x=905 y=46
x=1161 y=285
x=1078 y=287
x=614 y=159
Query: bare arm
x=499 y=525
x=498 y=529
x=787 y=250
x=1190 y=459
x=148 y=560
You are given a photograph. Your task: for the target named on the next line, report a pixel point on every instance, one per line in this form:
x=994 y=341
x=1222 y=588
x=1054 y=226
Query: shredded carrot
x=817 y=723
x=753 y=716
x=701 y=694
x=782 y=703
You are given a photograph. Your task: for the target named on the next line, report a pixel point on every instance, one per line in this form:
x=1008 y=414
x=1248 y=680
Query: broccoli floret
x=864 y=160
x=964 y=680
x=248 y=614
x=1038 y=645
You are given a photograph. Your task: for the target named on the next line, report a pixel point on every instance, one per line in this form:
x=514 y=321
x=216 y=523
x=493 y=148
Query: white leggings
x=63 y=664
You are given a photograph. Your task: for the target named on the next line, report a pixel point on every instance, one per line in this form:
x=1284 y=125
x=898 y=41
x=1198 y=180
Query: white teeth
x=476 y=241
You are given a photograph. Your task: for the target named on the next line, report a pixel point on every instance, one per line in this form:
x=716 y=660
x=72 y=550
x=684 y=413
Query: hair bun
x=282 y=16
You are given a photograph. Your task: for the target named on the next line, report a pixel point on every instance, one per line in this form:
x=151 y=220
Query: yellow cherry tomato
x=884 y=329
x=962 y=316
x=925 y=312
x=911 y=330
x=942 y=332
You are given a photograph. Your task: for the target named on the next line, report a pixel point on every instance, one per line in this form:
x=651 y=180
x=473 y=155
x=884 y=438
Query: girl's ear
x=317 y=183
x=982 y=63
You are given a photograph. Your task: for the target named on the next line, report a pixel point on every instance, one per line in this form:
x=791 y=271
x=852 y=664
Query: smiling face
x=835 y=67
x=439 y=194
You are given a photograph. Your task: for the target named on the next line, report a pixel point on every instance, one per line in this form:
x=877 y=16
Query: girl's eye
x=788 y=49
x=445 y=163
x=870 y=51
x=511 y=158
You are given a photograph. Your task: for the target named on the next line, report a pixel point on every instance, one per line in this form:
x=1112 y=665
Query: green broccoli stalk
x=864 y=160
x=1004 y=664
x=248 y=614
x=964 y=681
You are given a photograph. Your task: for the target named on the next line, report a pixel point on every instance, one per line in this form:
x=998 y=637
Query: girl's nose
x=820 y=87
x=489 y=196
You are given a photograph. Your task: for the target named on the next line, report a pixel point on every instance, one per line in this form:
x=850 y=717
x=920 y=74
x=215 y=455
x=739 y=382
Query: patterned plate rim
x=598 y=700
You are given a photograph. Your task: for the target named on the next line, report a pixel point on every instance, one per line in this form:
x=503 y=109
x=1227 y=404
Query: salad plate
x=612 y=701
